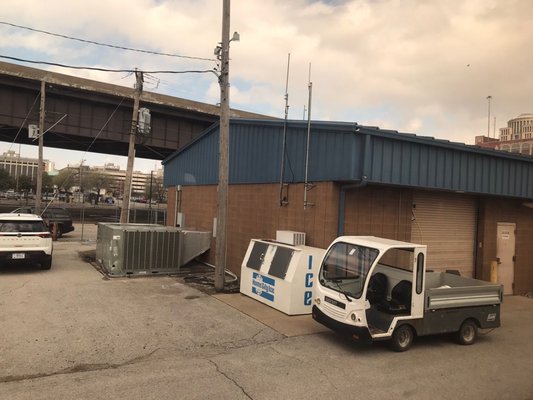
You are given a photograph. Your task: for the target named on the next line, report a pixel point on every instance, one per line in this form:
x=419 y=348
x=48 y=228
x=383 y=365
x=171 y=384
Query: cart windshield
x=346 y=267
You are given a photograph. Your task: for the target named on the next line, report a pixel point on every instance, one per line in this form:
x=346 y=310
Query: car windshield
x=345 y=268
x=22 y=226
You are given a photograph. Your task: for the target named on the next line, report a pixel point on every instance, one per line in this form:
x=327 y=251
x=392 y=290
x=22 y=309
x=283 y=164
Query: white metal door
x=446 y=223
x=505 y=252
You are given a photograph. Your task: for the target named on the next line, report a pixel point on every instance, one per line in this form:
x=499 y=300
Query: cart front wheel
x=402 y=338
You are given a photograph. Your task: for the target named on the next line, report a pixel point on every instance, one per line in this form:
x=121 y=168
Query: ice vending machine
x=281 y=275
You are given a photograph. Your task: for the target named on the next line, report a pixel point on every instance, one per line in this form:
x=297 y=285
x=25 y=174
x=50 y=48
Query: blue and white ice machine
x=281 y=275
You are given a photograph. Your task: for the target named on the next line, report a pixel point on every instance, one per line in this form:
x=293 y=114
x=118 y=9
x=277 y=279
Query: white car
x=25 y=238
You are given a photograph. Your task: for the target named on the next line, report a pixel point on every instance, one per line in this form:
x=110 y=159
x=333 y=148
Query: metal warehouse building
x=471 y=206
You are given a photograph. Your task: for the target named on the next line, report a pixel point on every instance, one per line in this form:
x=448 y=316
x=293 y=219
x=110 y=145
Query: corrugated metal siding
x=255 y=154
x=346 y=152
x=197 y=165
x=421 y=165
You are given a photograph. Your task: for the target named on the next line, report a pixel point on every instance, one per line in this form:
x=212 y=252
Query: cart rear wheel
x=467 y=333
x=402 y=338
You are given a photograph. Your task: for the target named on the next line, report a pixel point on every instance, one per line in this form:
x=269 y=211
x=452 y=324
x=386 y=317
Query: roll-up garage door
x=446 y=223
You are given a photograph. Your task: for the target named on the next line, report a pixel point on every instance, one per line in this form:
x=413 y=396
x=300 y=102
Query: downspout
x=362 y=183
x=342 y=201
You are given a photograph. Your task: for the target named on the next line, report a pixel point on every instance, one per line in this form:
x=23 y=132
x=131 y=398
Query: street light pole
x=488 y=122
x=223 y=162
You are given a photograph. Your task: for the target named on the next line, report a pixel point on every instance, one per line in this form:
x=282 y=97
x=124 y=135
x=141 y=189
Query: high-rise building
x=517 y=137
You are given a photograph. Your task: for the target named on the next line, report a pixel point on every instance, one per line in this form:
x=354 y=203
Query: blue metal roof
x=348 y=152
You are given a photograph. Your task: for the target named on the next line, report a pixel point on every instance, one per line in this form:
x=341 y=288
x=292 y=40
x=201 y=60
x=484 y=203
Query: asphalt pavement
x=72 y=333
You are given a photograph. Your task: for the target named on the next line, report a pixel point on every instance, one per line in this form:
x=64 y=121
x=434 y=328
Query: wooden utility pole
x=39 y=188
x=125 y=212
x=223 y=161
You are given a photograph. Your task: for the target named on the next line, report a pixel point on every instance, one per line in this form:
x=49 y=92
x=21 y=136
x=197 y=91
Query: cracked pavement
x=68 y=333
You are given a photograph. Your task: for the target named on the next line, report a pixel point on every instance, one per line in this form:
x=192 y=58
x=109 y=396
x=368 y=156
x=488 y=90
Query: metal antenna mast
x=306 y=184
x=283 y=201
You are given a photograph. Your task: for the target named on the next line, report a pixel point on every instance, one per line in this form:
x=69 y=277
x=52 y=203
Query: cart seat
x=400 y=302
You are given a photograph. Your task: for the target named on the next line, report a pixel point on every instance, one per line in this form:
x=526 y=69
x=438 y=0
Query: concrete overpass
x=87 y=105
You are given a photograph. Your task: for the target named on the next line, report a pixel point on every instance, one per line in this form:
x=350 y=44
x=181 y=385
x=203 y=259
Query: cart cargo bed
x=445 y=290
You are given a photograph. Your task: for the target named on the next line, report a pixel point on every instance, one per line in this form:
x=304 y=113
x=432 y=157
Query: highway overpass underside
x=80 y=112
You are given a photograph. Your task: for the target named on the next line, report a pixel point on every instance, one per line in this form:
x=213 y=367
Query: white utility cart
x=378 y=289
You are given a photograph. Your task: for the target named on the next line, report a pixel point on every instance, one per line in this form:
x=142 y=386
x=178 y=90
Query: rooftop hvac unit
x=291 y=237
x=141 y=249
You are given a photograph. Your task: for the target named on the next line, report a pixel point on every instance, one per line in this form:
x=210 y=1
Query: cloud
x=423 y=67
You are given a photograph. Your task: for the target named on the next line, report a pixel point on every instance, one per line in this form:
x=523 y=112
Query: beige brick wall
x=254 y=212
x=379 y=211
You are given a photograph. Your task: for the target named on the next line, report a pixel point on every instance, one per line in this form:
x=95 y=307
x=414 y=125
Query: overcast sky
x=417 y=66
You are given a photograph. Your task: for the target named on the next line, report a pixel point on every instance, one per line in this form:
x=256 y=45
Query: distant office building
x=517 y=137
x=140 y=180
x=16 y=165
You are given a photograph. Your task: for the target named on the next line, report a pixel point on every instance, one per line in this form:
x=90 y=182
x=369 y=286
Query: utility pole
x=39 y=188
x=125 y=212
x=150 y=197
x=223 y=161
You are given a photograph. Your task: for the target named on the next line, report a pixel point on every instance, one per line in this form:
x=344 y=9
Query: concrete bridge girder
x=99 y=112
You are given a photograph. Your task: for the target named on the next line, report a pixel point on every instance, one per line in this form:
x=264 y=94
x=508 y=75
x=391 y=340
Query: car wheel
x=402 y=338
x=47 y=264
x=467 y=333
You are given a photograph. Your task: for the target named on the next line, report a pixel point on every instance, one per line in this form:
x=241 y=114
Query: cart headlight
x=317 y=300
x=354 y=317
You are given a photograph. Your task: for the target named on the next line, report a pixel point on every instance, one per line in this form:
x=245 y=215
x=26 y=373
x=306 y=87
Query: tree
x=25 y=183
x=66 y=178
x=158 y=189
x=6 y=181
x=96 y=181
x=48 y=183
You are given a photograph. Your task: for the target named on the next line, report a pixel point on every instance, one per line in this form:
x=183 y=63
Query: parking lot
x=72 y=333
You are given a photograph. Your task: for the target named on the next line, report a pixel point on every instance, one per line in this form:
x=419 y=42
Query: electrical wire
x=153 y=150
x=107 y=69
x=105 y=124
x=24 y=122
x=67 y=179
x=105 y=44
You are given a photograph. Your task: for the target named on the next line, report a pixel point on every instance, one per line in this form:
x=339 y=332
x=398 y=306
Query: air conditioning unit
x=291 y=237
x=143 y=249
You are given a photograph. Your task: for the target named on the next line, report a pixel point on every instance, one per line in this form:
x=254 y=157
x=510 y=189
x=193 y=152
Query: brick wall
x=171 y=206
x=379 y=211
x=254 y=212
x=493 y=211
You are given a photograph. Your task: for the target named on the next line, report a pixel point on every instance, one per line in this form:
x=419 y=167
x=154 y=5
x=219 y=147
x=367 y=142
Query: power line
x=107 y=69
x=105 y=44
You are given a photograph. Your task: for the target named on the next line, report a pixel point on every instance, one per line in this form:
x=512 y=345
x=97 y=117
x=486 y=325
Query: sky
x=422 y=67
